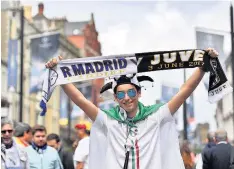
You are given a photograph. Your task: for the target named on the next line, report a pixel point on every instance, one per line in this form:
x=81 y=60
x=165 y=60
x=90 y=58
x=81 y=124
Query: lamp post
x=22 y=63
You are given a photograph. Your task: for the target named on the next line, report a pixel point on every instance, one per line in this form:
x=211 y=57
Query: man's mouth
x=6 y=139
x=41 y=143
x=127 y=103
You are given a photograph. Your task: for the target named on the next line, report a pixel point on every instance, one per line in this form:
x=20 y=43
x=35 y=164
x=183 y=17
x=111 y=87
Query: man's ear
x=115 y=98
x=139 y=93
x=215 y=140
x=13 y=132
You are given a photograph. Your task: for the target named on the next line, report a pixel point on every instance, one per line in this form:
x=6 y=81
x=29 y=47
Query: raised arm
x=78 y=98
x=75 y=95
x=189 y=86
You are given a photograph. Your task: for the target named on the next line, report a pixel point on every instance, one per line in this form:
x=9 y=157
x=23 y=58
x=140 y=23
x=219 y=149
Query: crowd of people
x=217 y=153
x=26 y=147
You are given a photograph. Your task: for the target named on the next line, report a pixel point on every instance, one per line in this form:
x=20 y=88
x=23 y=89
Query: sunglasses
x=5 y=131
x=121 y=94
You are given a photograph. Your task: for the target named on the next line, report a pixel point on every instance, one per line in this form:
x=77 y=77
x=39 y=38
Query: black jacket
x=66 y=158
x=217 y=157
x=205 y=151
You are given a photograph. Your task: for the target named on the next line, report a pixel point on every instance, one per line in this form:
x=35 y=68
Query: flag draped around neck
x=82 y=69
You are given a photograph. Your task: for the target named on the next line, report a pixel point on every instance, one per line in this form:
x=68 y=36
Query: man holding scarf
x=131 y=135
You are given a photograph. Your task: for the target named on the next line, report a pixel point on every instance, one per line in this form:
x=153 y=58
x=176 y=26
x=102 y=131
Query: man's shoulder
x=28 y=148
x=51 y=149
x=219 y=147
x=219 y=150
x=21 y=150
x=84 y=141
x=156 y=107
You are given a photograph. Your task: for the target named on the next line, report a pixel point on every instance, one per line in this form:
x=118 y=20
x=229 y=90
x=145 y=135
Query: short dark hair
x=53 y=136
x=210 y=136
x=38 y=128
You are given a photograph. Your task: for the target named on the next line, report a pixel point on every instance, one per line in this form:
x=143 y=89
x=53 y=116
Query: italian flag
x=135 y=156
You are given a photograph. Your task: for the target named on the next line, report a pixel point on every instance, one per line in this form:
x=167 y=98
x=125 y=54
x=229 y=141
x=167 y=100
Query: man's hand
x=189 y=86
x=74 y=94
x=212 y=52
x=53 y=62
x=80 y=165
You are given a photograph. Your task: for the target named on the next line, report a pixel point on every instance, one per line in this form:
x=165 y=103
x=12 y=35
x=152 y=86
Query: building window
x=76 y=31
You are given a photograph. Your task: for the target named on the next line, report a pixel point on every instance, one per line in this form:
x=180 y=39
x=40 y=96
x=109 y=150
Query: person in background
x=12 y=155
x=219 y=155
x=75 y=144
x=40 y=155
x=23 y=134
x=186 y=155
x=81 y=155
x=66 y=157
x=205 y=152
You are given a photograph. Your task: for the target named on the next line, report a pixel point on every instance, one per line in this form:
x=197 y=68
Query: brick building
x=82 y=34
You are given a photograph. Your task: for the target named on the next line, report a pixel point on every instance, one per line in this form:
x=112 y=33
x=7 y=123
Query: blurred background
x=32 y=32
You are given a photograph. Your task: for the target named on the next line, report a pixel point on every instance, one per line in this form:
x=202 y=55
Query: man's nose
x=7 y=133
x=126 y=97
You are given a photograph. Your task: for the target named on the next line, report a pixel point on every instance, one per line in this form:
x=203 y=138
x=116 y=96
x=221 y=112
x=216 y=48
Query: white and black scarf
x=81 y=69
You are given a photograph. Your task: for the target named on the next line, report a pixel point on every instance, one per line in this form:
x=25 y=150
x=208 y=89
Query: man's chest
x=45 y=159
x=143 y=131
x=12 y=158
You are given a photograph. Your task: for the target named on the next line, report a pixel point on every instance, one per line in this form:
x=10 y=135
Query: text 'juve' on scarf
x=81 y=69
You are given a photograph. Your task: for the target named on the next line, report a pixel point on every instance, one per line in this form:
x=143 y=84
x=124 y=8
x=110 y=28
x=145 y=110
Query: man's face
x=28 y=136
x=39 y=138
x=7 y=133
x=80 y=133
x=53 y=143
x=129 y=102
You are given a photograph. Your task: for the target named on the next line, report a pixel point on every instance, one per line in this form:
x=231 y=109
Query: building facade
x=31 y=108
x=77 y=39
x=8 y=35
x=85 y=36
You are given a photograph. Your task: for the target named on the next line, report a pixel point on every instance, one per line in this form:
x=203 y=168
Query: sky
x=142 y=26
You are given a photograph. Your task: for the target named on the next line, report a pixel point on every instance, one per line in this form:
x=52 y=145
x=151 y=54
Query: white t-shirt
x=157 y=144
x=82 y=152
x=199 y=162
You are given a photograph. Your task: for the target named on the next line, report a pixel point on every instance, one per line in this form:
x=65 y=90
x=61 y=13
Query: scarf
x=81 y=69
x=143 y=112
x=39 y=149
